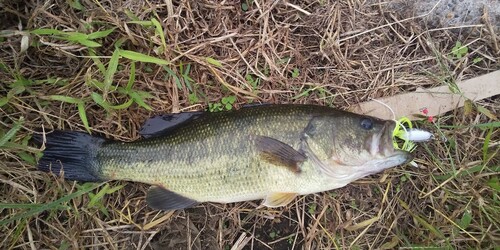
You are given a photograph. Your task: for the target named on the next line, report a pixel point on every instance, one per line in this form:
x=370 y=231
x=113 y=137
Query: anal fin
x=278 y=199
x=163 y=199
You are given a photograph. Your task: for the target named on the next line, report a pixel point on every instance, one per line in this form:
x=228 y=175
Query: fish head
x=354 y=143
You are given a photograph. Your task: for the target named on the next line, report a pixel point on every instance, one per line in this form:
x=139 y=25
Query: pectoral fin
x=279 y=153
x=163 y=199
x=278 y=199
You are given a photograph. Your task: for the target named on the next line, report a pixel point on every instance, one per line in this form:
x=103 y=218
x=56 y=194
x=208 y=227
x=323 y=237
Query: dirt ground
x=220 y=55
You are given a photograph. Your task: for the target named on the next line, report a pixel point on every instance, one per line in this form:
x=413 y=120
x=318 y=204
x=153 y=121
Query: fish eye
x=366 y=123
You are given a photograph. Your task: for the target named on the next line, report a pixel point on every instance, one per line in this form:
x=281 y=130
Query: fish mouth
x=382 y=145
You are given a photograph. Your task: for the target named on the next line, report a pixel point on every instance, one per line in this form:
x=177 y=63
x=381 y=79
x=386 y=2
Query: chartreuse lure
x=404 y=135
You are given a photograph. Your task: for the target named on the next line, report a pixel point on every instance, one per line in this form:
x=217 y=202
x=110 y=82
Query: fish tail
x=71 y=154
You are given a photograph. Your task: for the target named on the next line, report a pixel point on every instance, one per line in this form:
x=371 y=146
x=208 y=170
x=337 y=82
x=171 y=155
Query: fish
x=272 y=153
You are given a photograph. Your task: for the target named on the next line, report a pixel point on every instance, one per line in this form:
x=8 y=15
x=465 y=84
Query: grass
x=105 y=67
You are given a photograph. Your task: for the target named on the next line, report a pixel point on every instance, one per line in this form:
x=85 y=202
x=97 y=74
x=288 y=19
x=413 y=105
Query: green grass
x=450 y=175
x=96 y=199
x=104 y=87
x=32 y=210
x=106 y=69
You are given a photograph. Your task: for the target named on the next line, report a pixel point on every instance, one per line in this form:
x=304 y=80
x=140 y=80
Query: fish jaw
x=330 y=177
x=397 y=157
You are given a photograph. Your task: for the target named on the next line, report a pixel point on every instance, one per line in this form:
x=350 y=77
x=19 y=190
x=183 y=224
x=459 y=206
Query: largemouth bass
x=269 y=152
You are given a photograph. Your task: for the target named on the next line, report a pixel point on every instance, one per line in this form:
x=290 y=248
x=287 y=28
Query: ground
x=106 y=66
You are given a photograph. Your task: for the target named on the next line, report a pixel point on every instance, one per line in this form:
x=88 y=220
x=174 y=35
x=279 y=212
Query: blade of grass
x=110 y=72
x=139 y=100
x=97 y=61
x=486 y=112
x=14 y=91
x=75 y=4
x=173 y=75
x=4 y=100
x=100 y=34
x=105 y=190
x=66 y=99
x=83 y=116
x=131 y=78
x=421 y=221
x=469 y=171
x=47 y=32
x=132 y=55
x=106 y=105
x=159 y=30
x=303 y=93
x=185 y=75
x=12 y=132
x=27 y=206
x=131 y=15
x=13 y=145
x=123 y=105
x=486 y=145
x=456 y=225
x=214 y=61
x=75 y=36
x=50 y=206
x=88 y=43
x=482 y=125
x=97 y=98
x=143 y=23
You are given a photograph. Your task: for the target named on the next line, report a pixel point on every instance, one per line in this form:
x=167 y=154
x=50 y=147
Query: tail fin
x=71 y=154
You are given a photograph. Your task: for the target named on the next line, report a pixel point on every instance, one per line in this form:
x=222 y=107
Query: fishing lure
x=404 y=131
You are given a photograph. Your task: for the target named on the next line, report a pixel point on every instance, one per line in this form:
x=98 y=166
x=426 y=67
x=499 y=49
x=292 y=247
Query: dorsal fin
x=163 y=124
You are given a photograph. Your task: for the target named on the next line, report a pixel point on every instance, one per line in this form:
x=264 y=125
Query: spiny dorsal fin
x=163 y=199
x=163 y=124
x=279 y=153
x=278 y=199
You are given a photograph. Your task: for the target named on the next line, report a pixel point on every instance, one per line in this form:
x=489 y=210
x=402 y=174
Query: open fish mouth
x=382 y=144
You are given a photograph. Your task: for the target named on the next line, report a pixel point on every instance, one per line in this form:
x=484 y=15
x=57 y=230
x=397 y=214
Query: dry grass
x=336 y=53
